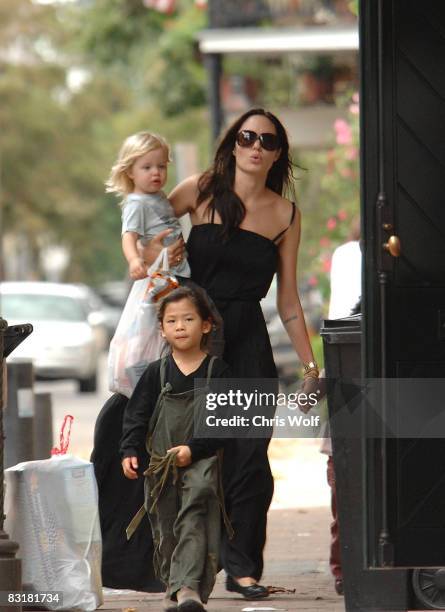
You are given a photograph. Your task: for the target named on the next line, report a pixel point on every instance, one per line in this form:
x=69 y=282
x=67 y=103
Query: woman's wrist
x=311 y=369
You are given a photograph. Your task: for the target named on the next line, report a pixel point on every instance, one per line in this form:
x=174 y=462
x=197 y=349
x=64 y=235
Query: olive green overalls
x=183 y=503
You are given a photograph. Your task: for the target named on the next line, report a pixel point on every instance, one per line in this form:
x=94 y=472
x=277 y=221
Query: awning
x=276 y=41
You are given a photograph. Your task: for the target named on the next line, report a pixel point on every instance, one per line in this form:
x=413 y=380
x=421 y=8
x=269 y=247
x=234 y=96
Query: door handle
x=393 y=246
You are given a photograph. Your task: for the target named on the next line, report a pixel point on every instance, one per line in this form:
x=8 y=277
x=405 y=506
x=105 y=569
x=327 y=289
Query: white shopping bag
x=52 y=512
x=138 y=341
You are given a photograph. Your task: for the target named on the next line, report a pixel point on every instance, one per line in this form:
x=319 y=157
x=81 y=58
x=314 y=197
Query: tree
x=58 y=142
x=330 y=197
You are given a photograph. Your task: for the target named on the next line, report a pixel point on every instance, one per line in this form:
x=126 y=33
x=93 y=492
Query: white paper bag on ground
x=137 y=341
x=52 y=512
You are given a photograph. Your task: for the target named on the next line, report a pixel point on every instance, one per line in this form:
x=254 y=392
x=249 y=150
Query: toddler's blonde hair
x=134 y=147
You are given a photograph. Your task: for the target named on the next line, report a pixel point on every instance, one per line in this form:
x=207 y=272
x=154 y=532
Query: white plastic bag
x=52 y=512
x=138 y=341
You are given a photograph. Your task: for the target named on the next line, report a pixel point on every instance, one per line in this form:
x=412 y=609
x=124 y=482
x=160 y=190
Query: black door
x=403 y=205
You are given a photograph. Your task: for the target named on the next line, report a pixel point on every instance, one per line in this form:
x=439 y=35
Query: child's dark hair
x=196 y=297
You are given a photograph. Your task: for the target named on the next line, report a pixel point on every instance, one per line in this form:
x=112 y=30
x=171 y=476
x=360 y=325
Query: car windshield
x=39 y=307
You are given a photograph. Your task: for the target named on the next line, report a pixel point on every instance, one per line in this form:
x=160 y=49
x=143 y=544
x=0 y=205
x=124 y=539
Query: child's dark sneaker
x=189 y=600
x=190 y=605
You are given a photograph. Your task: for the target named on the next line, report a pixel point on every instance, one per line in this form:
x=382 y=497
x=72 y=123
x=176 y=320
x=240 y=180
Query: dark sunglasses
x=247 y=138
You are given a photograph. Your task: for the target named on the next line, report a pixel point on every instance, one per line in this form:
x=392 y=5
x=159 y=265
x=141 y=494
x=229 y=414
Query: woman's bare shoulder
x=285 y=209
x=184 y=196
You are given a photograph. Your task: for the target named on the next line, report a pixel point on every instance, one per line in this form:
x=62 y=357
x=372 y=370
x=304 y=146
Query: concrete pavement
x=296 y=558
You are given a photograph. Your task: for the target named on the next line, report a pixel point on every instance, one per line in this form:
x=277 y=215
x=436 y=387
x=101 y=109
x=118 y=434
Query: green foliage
x=273 y=78
x=57 y=143
x=354 y=7
x=153 y=54
x=109 y=30
x=329 y=197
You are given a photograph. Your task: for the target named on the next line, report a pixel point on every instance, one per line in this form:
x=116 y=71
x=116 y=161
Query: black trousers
x=248 y=489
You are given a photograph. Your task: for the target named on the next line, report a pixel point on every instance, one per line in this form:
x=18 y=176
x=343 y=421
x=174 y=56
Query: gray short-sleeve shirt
x=147 y=215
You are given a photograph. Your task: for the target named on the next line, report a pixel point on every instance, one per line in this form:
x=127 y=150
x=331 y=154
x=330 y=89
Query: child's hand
x=184 y=456
x=137 y=268
x=130 y=465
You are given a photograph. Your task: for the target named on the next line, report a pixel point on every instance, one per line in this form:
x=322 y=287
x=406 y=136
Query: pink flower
x=346 y=173
x=355 y=97
x=313 y=281
x=342 y=215
x=331 y=224
x=324 y=242
x=326 y=265
x=343 y=132
x=351 y=153
x=354 y=109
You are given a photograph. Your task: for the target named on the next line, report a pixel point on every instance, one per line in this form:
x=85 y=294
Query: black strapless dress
x=236 y=274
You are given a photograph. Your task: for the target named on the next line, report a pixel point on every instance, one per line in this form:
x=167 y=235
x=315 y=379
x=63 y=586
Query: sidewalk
x=297 y=545
x=297 y=548
x=296 y=554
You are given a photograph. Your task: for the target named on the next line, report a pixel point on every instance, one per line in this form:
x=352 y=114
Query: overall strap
x=165 y=388
x=294 y=210
x=162 y=371
x=210 y=368
x=212 y=218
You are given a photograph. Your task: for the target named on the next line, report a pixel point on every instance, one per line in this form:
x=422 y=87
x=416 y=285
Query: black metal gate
x=403 y=187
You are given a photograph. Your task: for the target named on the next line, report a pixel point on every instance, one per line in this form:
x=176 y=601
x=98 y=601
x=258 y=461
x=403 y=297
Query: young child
x=182 y=497
x=139 y=174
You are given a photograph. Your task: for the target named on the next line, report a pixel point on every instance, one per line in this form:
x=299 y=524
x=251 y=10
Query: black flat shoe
x=338 y=585
x=254 y=591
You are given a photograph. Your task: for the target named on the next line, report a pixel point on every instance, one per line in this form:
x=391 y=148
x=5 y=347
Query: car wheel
x=88 y=385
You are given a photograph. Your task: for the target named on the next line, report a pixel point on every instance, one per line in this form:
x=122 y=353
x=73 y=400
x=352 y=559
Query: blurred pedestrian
x=346 y=288
x=346 y=275
x=243 y=232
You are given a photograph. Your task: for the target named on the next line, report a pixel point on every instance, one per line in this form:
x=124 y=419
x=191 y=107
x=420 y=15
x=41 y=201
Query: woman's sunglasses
x=247 y=138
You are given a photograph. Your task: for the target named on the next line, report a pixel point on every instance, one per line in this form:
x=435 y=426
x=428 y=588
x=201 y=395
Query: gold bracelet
x=311 y=365
x=311 y=374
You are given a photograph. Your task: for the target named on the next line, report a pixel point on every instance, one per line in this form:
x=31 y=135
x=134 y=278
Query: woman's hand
x=312 y=385
x=184 y=455
x=150 y=251
x=130 y=466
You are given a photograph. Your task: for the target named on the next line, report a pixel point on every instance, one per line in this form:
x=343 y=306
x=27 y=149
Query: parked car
x=68 y=332
x=104 y=321
x=113 y=295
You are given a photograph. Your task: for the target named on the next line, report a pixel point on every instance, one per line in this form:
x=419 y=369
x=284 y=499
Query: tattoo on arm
x=286 y=321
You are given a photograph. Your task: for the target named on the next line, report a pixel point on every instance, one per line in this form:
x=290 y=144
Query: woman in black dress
x=244 y=231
